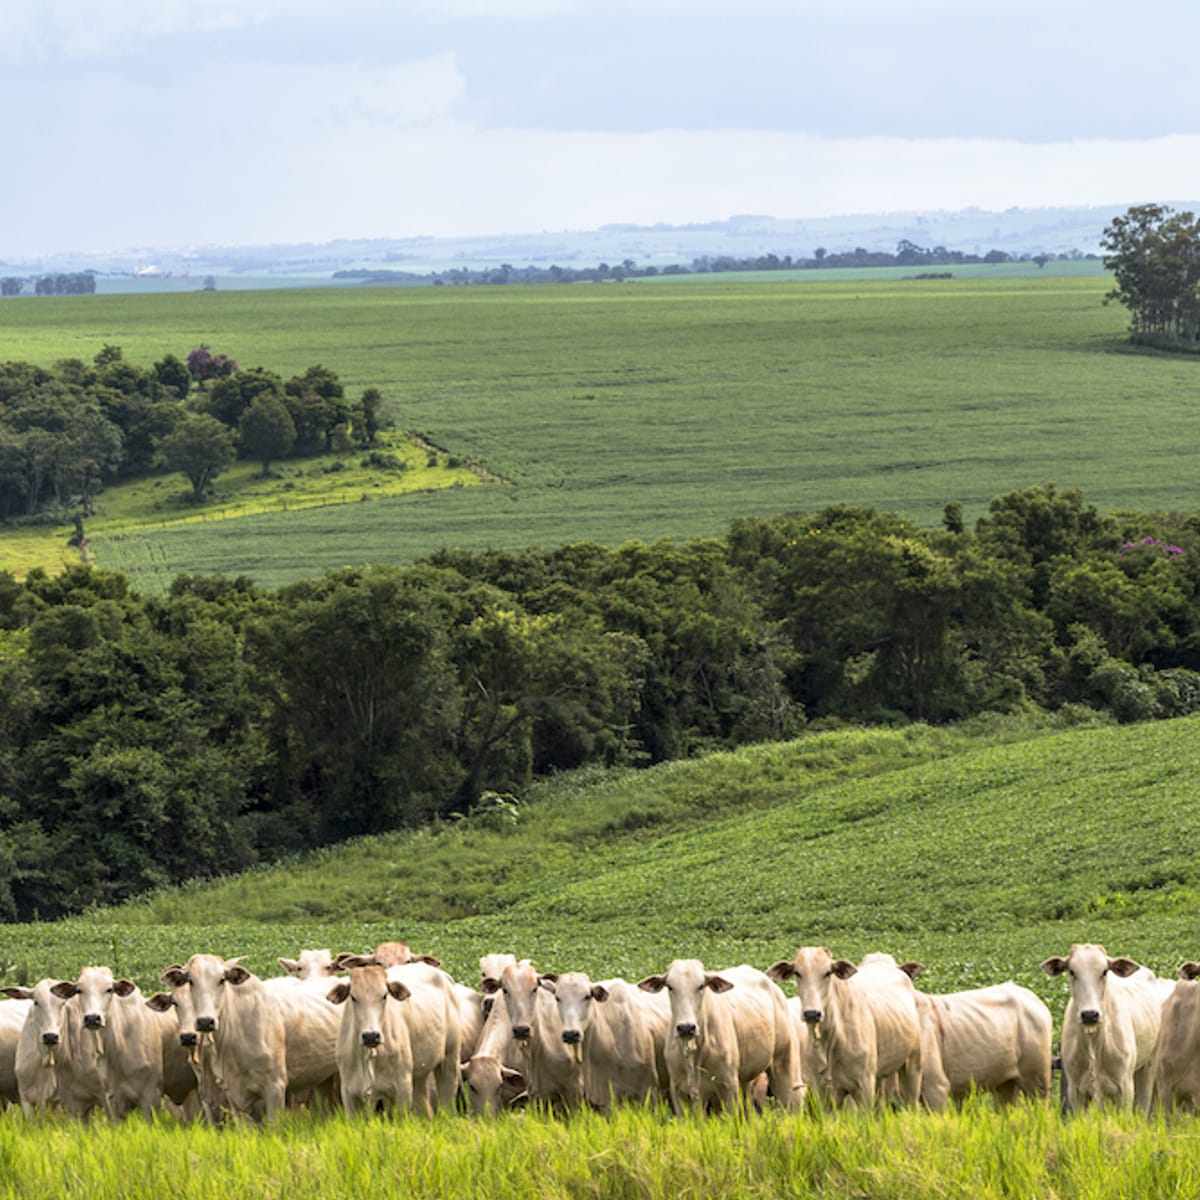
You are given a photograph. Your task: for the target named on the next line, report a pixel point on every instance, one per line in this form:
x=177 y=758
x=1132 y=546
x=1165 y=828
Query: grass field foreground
x=978 y=1153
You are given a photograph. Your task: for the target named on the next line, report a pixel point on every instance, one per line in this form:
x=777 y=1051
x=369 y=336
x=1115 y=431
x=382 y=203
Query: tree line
x=73 y=283
x=147 y=740
x=66 y=430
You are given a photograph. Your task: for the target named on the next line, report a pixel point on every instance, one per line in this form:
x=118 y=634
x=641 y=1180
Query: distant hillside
x=1015 y=231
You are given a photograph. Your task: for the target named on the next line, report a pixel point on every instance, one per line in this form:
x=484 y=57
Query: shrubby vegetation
x=153 y=739
x=67 y=430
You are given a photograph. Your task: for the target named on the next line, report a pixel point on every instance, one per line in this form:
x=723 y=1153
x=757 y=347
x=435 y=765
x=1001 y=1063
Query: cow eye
x=1103 y=973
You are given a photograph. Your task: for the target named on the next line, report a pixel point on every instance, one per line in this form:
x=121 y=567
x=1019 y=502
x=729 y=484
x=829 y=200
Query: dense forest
x=152 y=739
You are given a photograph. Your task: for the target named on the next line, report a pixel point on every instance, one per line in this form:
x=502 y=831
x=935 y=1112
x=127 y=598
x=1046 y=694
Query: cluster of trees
x=66 y=430
x=1154 y=255
x=907 y=254
x=146 y=740
x=78 y=283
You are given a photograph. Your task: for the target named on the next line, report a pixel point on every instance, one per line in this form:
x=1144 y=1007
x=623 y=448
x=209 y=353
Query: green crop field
x=653 y=409
x=979 y=850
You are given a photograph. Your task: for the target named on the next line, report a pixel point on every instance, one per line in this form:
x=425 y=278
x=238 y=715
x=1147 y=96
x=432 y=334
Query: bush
x=381 y=460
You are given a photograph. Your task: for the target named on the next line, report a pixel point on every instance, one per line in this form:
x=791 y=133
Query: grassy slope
x=979 y=852
x=653 y=409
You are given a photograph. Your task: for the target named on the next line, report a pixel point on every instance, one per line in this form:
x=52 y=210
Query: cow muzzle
x=93 y=1021
x=572 y=1037
x=812 y=1016
x=188 y=1039
x=206 y=1024
x=371 y=1037
x=521 y=1032
x=685 y=1029
x=1090 y=1016
x=49 y=1039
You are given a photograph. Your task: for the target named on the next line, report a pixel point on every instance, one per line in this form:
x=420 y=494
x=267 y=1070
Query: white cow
x=13 y=1014
x=618 y=1033
x=312 y=964
x=39 y=1046
x=182 y=1039
x=122 y=1039
x=265 y=1043
x=726 y=1029
x=553 y=1076
x=399 y=1037
x=993 y=1039
x=1177 y=1060
x=1110 y=1029
x=863 y=1025
x=492 y=1074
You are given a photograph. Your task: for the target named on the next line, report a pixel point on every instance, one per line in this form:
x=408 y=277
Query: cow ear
x=1123 y=966
x=339 y=994
x=912 y=969
x=489 y=987
x=175 y=975
x=236 y=975
x=347 y=962
x=717 y=983
x=17 y=993
x=64 y=991
x=1054 y=966
x=426 y=958
x=1189 y=970
x=599 y=992
x=160 y=1001
x=290 y=965
x=653 y=983
x=512 y=1078
x=124 y=987
x=548 y=981
x=843 y=969
x=487 y=1006
x=397 y=990
x=781 y=970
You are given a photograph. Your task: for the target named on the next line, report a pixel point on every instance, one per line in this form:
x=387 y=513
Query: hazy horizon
x=251 y=122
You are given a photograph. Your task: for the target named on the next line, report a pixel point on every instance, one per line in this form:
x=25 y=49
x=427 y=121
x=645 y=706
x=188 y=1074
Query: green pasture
x=979 y=851
x=652 y=409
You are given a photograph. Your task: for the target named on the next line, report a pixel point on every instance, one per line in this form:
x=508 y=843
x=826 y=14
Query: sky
x=173 y=123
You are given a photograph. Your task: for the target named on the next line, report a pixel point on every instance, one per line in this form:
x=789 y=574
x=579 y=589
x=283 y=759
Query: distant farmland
x=649 y=409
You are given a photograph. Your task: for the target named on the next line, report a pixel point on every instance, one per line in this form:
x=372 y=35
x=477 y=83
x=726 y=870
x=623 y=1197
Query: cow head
x=813 y=969
x=491 y=1085
x=95 y=988
x=1087 y=968
x=576 y=996
x=687 y=983
x=45 y=1014
x=207 y=976
x=520 y=984
x=368 y=991
x=312 y=964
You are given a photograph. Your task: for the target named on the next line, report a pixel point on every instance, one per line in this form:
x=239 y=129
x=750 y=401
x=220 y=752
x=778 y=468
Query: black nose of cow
x=206 y=1024
x=92 y=1020
x=572 y=1036
x=1090 y=1016
x=685 y=1029
x=521 y=1032
x=187 y=1039
x=812 y=1015
x=50 y=1039
x=371 y=1037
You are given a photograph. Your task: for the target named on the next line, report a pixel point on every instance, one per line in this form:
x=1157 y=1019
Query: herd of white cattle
x=393 y=1031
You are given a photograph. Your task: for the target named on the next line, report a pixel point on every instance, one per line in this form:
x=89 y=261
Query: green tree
x=200 y=447
x=266 y=430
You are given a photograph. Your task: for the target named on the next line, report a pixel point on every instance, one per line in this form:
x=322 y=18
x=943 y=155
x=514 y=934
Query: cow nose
x=187 y=1039
x=371 y=1037
x=1090 y=1016
x=92 y=1021
x=206 y=1024
x=812 y=1015
x=572 y=1036
x=521 y=1032
x=686 y=1029
x=50 y=1039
